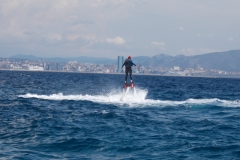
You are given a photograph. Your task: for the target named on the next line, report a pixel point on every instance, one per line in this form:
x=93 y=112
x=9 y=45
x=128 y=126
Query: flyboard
x=126 y=88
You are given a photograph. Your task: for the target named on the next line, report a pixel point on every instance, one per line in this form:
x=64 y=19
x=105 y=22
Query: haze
x=108 y=28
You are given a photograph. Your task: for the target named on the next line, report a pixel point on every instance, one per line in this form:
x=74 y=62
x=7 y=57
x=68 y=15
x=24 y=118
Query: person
x=128 y=68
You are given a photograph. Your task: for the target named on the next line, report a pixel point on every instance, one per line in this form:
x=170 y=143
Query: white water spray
x=135 y=98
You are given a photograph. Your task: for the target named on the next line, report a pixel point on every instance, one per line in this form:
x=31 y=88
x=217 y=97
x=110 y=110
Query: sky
x=111 y=28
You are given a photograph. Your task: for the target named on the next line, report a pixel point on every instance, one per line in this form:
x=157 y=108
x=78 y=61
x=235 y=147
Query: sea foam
x=135 y=98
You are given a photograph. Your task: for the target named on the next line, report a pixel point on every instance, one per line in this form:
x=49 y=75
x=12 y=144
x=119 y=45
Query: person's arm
x=133 y=63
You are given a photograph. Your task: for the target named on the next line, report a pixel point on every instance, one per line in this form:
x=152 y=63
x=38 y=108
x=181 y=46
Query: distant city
x=17 y=64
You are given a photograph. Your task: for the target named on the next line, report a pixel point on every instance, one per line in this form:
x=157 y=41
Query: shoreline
x=134 y=74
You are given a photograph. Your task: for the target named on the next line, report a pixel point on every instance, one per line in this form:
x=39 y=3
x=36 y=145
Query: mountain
x=82 y=59
x=227 y=61
x=21 y=56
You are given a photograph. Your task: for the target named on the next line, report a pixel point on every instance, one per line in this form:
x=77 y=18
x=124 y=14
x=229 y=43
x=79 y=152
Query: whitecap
x=135 y=98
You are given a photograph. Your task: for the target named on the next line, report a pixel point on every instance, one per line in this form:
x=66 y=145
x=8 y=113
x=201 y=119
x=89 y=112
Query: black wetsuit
x=128 y=68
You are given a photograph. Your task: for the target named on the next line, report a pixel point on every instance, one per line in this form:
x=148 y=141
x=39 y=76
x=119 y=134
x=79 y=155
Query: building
x=120 y=63
x=35 y=68
x=176 y=68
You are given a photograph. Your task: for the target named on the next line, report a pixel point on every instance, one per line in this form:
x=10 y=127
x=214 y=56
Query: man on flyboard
x=128 y=69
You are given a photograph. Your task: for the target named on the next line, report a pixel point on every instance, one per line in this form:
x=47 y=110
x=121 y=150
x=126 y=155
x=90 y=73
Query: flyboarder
x=128 y=69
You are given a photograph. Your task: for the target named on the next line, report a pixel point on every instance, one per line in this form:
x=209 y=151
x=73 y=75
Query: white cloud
x=180 y=28
x=160 y=45
x=55 y=25
x=100 y=3
x=189 y=51
x=206 y=50
x=56 y=37
x=195 y=51
x=210 y=35
x=117 y=40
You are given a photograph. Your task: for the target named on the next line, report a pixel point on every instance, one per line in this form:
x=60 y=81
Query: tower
x=120 y=63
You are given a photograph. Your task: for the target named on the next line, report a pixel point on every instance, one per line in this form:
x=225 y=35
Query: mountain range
x=227 y=61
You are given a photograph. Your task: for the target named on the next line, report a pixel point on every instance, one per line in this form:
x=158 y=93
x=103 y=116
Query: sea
x=56 y=115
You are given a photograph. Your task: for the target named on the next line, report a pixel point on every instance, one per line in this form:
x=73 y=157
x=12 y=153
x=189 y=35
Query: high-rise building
x=122 y=60
x=120 y=63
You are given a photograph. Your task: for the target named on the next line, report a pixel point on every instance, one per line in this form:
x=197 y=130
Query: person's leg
x=126 y=75
x=130 y=72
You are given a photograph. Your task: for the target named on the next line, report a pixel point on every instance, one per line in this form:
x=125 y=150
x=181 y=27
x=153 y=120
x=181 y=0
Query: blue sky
x=108 y=28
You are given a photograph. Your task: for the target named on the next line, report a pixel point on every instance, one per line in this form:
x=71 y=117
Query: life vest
x=128 y=63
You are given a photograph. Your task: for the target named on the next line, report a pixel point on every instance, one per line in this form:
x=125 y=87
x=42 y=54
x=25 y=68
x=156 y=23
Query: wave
x=135 y=99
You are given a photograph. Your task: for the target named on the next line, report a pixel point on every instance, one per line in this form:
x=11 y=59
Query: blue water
x=48 y=115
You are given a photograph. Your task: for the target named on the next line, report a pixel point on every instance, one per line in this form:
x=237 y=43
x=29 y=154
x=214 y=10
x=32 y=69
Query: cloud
x=180 y=28
x=57 y=37
x=29 y=33
x=117 y=40
x=100 y=3
x=206 y=50
x=84 y=26
x=195 y=51
x=160 y=45
x=189 y=51
x=210 y=35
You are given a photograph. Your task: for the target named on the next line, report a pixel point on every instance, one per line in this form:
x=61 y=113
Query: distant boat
x=35 y=68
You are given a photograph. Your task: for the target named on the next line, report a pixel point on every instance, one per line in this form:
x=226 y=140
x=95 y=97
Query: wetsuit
x=128 y=68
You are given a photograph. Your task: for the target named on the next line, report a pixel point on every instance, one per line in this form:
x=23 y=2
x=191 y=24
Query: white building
x=35 y=68
x=176 y=68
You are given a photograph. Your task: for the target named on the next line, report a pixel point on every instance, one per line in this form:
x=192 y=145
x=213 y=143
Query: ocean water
x=47 y=115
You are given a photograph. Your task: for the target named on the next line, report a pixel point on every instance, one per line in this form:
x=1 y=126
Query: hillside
x=227 y=61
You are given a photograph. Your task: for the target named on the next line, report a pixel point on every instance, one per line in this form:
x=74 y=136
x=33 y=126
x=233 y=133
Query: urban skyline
x=74 y=66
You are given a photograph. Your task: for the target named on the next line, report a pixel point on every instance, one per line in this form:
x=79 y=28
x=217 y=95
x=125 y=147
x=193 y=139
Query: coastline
x=134 y=74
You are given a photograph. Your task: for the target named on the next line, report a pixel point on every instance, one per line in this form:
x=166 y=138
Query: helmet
x=129 y=57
